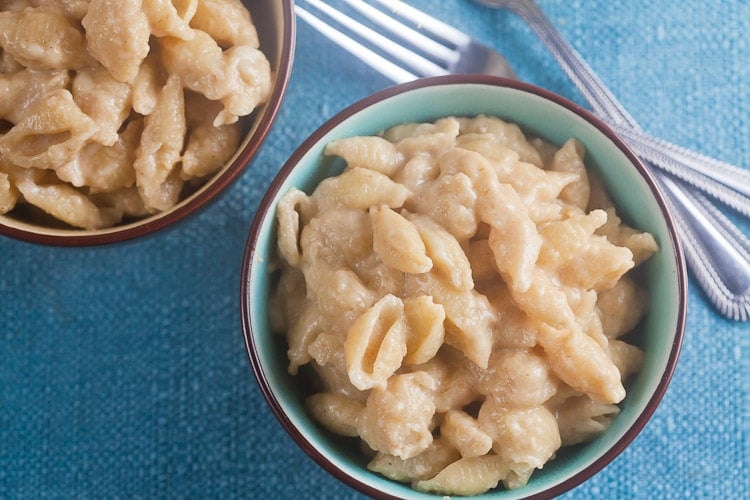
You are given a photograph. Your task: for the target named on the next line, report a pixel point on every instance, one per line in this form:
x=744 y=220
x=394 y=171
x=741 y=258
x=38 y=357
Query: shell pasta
x=109 y=108
x=462 y=292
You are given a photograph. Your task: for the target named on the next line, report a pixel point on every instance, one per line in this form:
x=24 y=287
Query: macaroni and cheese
x=462 y=293
x=114 y=109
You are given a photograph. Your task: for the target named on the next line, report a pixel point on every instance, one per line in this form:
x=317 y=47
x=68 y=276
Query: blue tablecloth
x=123 y=371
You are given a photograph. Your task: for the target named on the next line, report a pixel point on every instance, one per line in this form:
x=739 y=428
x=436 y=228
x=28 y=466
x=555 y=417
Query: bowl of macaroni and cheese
x=135 y=115
x=463 y=285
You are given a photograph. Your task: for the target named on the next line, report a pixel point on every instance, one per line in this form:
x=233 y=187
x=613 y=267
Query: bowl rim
x=206 y=194
x=267 y=202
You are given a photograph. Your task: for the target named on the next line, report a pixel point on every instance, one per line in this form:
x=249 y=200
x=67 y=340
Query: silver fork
x=717 y=251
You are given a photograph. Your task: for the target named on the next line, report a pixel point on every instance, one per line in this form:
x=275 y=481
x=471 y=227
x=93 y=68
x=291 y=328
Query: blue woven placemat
x=122 y=368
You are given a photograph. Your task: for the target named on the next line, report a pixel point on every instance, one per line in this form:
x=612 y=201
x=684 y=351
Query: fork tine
x=428 y=23
x=414 y=37
x=421 y=65
x=367 y=56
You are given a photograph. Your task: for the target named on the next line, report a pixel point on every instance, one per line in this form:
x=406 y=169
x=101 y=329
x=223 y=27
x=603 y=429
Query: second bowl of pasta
x=136 y=116
x=463 y=286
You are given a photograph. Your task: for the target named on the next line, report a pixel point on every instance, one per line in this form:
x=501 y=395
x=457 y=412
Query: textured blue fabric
x=122 y=368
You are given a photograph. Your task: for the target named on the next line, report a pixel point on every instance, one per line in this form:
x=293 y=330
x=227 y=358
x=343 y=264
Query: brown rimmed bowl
x=275 y=23
x=541 y=114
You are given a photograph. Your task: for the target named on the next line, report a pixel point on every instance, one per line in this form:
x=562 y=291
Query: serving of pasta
x=112 y=110
x=462 y=294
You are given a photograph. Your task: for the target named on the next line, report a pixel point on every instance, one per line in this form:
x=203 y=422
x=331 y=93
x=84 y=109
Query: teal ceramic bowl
x=544 y=115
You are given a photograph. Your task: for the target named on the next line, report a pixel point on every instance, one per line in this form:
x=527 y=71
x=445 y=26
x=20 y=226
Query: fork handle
x=733 y=190
x=672 y=158
x=716 y=250
x=720 y=265
x=601 y=99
